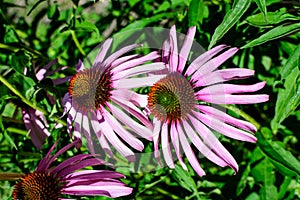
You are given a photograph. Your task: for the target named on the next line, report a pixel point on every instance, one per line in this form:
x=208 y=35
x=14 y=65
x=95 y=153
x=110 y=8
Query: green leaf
x=288 y=99
x=272 y=18
x=284 y=187
x=231 y=18
x=262 y=7
x=195 y=12
x=20 y=60
x=86 y=26
x=132 y=28
x=275 y=33
x=277 y=153
x=184 y=179
x=291 y=64
x=263 y=172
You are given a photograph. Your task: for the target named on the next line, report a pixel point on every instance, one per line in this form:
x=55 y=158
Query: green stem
x=18 y=131
x=173 y=196
x=77 y=43
x=15 y=91
x=147 y=186
x=244 y=115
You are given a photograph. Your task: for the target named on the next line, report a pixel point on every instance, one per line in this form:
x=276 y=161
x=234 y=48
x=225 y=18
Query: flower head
x=99 y=100
x=181 y=104
x=48 y=182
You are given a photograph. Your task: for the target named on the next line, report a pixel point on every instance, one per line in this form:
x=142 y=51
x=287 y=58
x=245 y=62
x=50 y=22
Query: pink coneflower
x=99 y=100
x=50 y=183
x=181 y=104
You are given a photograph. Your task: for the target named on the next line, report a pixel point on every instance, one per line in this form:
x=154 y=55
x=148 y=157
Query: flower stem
x=23 y=99
x=9 y=176
x=77 y=43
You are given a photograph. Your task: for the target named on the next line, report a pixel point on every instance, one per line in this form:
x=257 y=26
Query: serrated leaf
x=231 y=18
x=262 y=7
x=275 y=33
x=184 y=179
x=288 y=99
x=277 y=153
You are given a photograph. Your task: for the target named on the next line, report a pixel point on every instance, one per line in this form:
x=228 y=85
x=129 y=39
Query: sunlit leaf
x=275 y=33
x=231 y=18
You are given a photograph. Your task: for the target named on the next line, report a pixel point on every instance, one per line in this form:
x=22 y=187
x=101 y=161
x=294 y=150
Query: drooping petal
x=79 y=66
x=186 y=47
x=93 y=175
x=189 y=152
x=41 y=74
x=123 y=59
x=116 y=142
x=212 y=142
x=166 y=145
x=225 y=129
x=122 y=132
x=156 y=134
x=166 y=52
x=131 y=123
x=176 y=144
x=203 y=149
x=222 y=116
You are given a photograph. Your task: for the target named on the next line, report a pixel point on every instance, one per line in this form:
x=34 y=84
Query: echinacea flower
x=99 y=100
x=34 y=120
x=49 y=182
x=181 y=104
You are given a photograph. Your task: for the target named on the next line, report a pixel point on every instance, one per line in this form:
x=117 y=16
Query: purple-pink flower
x=51 y=182
x=101 y=104
x=182 y=104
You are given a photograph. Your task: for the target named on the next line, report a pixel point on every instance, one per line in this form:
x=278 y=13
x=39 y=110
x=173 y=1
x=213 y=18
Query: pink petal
x=234 y=99
x=189 y=152
x=143 y=69
x=87 y=132
x=166 y=145
x=79 y=66
x=116 y=142
x=212 y=142
x=135 y=62
x=186 y=48
x=208 y=153
x=175 y=141
x=222 y=116
x=203 y=58
x=77 y=126
x=119 y=53
x=93 y=175
x=222 y=75
x=156 y=134
x=133 y=110
x=211 y=65
x=225 y=129
x=122 y=132
x=109 y=189
x=128 y=95
x=165 y=52
x=137 y=82
x=230 y=89
x=123 y=59
x=40 y=75
x=102 y=52
x=131 y=123
x=174 y=49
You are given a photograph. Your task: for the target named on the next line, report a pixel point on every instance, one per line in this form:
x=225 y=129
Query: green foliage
x=267 y=33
